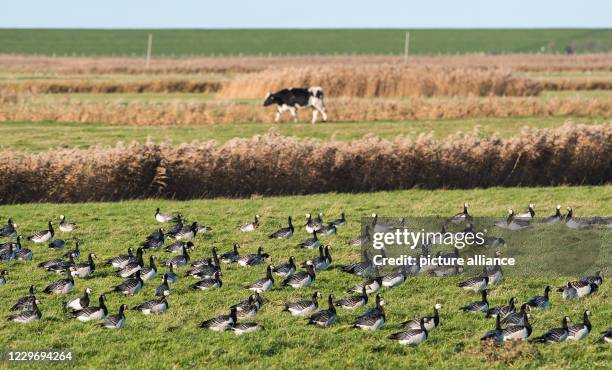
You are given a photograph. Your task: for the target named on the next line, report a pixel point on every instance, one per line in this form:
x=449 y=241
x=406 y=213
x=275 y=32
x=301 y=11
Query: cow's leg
x=320 y=107
x=278 y=115
x=315 y=114
x=293 y=111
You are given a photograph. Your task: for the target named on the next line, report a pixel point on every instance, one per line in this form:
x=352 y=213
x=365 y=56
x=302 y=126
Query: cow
x=293 y=99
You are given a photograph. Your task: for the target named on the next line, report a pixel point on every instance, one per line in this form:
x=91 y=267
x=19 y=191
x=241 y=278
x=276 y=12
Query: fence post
x=406 y=47
x=149 y=45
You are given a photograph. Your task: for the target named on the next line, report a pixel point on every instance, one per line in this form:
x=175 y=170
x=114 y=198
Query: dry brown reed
x=576 y=84
x=106 y=87
x=272 y=164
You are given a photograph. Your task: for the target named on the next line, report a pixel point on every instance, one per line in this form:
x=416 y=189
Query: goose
x=363 y=239
x=495 y=335
x=394 y=279
x=62 y=266
x=325 y=318
x=79 y=303
x=461 y=216
x=373 y=320
x=115 y=321
x=284 y=232
x=24 y=254
x=93 y=313
x=231 y=256
x=253 y=259
x=322 y=261
x=446 y=270
x=477 y=283
x=154 y=242
x=76 y=252
x=310 y=243
x=517 y=318
x=179 y=261
x=527 y=216
x=377 y=227
x=57 y=244
x=63 y=286
x=380 y=301
x=177 y=247
x=371 y=286
x=27 y=316
x=596 y=279
x=539 y=301
x=44 y=235
x=354 y=301
x=221 y=323
x=511 y=223
x=584 y=287
x=202 y=229
x=26 y=302
x=362 y=268
x=153 y=307
x=149 y=273
x=412 y=336
x=186 y=233
x=286 y=269
x=575 y=223
x=156 y=235
x=133 y=266
x=206 y=284
x=580 y=331
x=67 y=225
x=329 y=229
x=9 y=230
x=178 y=225
x=503 y=311
x=313 y=225
x=431 y=322
x=8 y=254
x=568 y=291
x=245 y=327
x=301 y=279
x=491 y=241
x=164 y=217
x=496 y=274
x=122 y=260
x=206 y=271
x=56 y=261
x=517 y=332
x=163 y=289
x=478 y=306
x=254 y=301
x=250 y=226
x=3 y=275
x=171 y=275
x=303 y=308
x=83 y=270
x=607 y=335
x=340 y=221
x=263 y=284
x=130 y=286
x=554 y=218
x=15 y=245
x=556 y=335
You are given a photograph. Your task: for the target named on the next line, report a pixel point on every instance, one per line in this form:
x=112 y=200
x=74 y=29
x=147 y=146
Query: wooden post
x=406 y=47
x=150 y=44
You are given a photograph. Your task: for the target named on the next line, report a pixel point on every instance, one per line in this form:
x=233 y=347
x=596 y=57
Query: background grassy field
x=174 y=340
x=298 y=42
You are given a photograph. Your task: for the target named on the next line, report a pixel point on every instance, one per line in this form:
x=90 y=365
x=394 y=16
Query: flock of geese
x=178 y=240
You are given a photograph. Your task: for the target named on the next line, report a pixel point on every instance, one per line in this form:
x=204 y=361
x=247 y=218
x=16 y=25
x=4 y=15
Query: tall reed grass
x=107 y=87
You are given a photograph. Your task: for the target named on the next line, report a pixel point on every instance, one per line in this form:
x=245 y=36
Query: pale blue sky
x=307 y=14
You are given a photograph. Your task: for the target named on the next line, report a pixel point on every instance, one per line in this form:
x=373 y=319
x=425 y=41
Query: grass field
x=299 y=42
x=174 y=339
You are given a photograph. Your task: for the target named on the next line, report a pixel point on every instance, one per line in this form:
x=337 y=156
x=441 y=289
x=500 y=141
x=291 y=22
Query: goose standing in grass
x=284 y=232
x=575 y=223
x=221 y=323
x=186 y=233
x=361 y=268
x=517 y=332
x=264 y=284
x=503 y=311
x=497 y=334
x=339 y=222
x=57 y=244
x=84 y=270
x=325 y=318
x=372 y=320
x=93 y=313
x=115 y=321
x=554 y=218
x=66 y=225
x=122 y=260
x=44 y=235
x=568 y=291
x=254 y=259
x=477 y=283
x=580 y=331
x=556 y=335
x=301 y=279
x=286 y=269
x=527 y=216
x=371 y=286
x=310 y=243
x=179 y=261
x=584 y=287
x=164 y=288
x=463 y=216
x=211 y=283
x=303 y=308
x=478 y=306
x=9 y=230
x=313 y=225
x=231 y=256
x=322 y=261
x=75 y=253
x=3 y=275
x=412 y=336
x=250 y=226
x=354 y=301
x=130 y=286
x=541 y=302
x=393 y=279
x=149 y=273
x=26 y=302
x=246 y=327
x=177 y=247
x=79 y=303
x=171 y=275
x=134 y=265
x=153 y=307
x=517 y=318
x=62 y=286
x=431 y=322
x=27 y=316
x=164 y=217
x=596 y=279
x=363 y=239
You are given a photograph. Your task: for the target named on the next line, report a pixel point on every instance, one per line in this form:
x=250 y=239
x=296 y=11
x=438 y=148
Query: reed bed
x=272 y=164
x=576 y=84
x=108 y=87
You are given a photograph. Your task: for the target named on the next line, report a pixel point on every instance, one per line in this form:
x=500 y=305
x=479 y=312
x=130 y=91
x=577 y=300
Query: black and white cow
x=293 y=99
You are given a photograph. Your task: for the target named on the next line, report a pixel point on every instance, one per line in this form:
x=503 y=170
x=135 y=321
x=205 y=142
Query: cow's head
x=269 y=100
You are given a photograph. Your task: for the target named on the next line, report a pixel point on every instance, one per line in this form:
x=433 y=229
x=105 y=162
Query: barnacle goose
x=7 y=254
x=568 y=291
x=3 y=275
x=371 y=286
x=253 y=302
x=122 y=260
x=556 y=335
x=132 y=266
x=172 y=277
x=340 y=221
x=253 y=259
x=154 y=242
x=354 y=301
x=286 y=269
x=7 y=245
x=177 y=247
x=446 y=270
x=9 y=230
x=596 y=279
x=301 y=279
x=580 y=331
x=245 y=327
x=575 y=223
x=115 y=321
x=517 y=332
x=50 y=265
x=178 y=225
x=310 y=243
x=76 y=252
x=463 y=216
x=554 y=218
x=503 y=311
x=431 y=322
x=584 y=287
x=27 y=316
x=394 y=279
x=231 y=256
x=322 y=261
x=250 y=226
x=607 y=335
x=517 y=318
x=539 y=301
x=527 y=216
x=478 y=306
x=221 y=323
x=303 y=308
x=153 y=307
x=329 y=229
x=83 y=270
x=373 y=319
x=79 y=303
x=313 y=225
x=130 y=286
x=284 y=232
x=164 y=217
x=179 y=261
x=26 y=302
x=148 y=273
x=325 y=318
x=361 y=268
x=496 y=274
x=186 y=233
x=66 y=225
x=93 y=313
x=24 y=254
x=156 y=235
x=57 y=244
x=412 y=336
x=208 y=270
x=511 y=223
x=496 y=334
x=63 y=286
x=163 y=289
x=210 y=283
x=44 y=235
x=363 y=239
x=263 y=284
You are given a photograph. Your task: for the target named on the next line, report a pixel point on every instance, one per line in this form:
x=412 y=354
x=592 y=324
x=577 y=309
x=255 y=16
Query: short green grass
x=295 y=42
x=174 y=339
x=39 y=136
